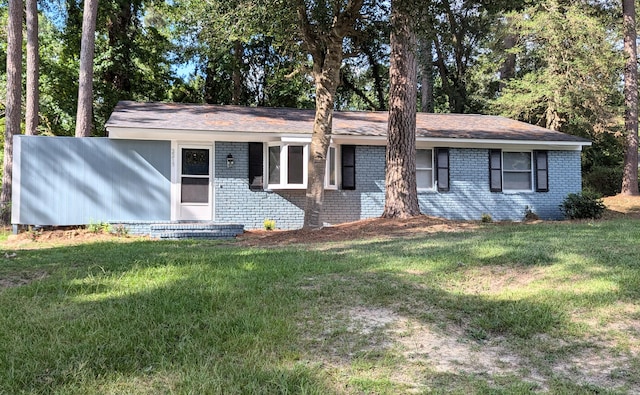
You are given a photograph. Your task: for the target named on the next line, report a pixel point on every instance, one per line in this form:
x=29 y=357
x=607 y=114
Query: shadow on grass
x=205 y=317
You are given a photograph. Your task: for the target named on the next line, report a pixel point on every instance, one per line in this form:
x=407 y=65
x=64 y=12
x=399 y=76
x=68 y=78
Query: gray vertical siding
x=73 y=181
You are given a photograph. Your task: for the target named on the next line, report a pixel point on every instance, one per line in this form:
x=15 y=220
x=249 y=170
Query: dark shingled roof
x=192 y=117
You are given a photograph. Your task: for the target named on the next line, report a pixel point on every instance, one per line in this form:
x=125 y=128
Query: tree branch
x=359 y=92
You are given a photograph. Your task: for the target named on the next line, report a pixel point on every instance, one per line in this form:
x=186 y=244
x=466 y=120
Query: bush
x=269 y=224
x=582 y=206
x=607 y=181
x=529 y=215
x=486 y=218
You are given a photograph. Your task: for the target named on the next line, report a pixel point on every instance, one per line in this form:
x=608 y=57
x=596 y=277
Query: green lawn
x=550 y=307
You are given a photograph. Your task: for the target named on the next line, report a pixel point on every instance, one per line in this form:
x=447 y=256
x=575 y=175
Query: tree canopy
x=555 y=63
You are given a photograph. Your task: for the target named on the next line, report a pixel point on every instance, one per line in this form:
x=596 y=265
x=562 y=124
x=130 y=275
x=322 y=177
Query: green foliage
x=584 y=205
x=99 y=227
x=605 y=181
x=486 y=218
x=120 y=230
x=202 y=317
x=269 y=224
x=529 y=215
x=562 y=84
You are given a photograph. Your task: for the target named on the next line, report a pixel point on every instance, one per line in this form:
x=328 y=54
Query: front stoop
x=194 y=230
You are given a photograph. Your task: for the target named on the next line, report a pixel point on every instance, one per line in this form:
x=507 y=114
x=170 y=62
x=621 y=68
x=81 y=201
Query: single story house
x=169 y=162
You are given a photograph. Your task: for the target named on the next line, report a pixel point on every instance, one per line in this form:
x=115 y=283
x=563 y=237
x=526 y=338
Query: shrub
x=583 y=205
x=99 y=227
x=120 y=230
x=486 y=218
x=269 y=224
x=607 y=181
x=529 y=215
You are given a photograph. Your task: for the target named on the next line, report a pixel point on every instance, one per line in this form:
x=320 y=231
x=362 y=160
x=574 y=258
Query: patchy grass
x=546 y=307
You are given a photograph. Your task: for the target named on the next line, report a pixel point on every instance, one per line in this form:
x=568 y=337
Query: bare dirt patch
x=17 y=280
x=379 y=228
x=429 y=347
x=620 y=206
x=56 y=236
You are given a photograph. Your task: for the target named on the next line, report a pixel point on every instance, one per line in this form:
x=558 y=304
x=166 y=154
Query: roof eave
x=129 y=133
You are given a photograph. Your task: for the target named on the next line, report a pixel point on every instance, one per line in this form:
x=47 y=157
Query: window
x=288 y=166
x=515 y=171
x=295 y=164
x=495 y=170
x=424 y=168
x=274 y=165
x=331 y=180
x=296 y=158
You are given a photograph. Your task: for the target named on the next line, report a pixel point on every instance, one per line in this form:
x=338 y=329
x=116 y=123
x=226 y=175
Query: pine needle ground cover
x=548 y=307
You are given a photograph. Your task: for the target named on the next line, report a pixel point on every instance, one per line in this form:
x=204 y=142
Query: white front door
x=195 y=181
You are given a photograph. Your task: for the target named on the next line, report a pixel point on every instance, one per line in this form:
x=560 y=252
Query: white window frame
x=284 y=166
x=327 y=173
x=433 y=181
x=505 y=188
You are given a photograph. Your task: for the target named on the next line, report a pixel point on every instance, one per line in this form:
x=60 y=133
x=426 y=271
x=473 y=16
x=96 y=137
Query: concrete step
x=195 y=230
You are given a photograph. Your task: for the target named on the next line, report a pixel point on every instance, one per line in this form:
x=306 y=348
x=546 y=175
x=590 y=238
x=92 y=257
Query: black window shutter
x=495 y=170
x=348 y=167
x=442 y=169
x=542 y=170
x=255 y=165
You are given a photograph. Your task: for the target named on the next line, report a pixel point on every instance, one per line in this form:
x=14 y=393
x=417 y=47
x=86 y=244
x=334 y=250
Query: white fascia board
x=204 y=135
x=198 y=135
x=511 y=144
x=424 y=142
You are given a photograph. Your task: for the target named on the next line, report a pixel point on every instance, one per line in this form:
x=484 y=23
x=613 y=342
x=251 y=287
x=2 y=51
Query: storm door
x=195 y=183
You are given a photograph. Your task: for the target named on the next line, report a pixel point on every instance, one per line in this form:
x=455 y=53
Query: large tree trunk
x=426 y=75
x=508 y=68
x=33 y=65
x=84 y=116
x=326 y=76
x=237 y=72
x=401 y=197
x=13 y=103
x=120 y=72
x=630 y=175
x=325 y=47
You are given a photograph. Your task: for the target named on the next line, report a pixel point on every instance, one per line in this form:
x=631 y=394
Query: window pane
x=274 y=165
x=520 y=181
x=194 y=190
x=332 y=166
x=195 y=162
x=423 y=159
x=424 y=179
x=517 y=161
x=295 y=166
